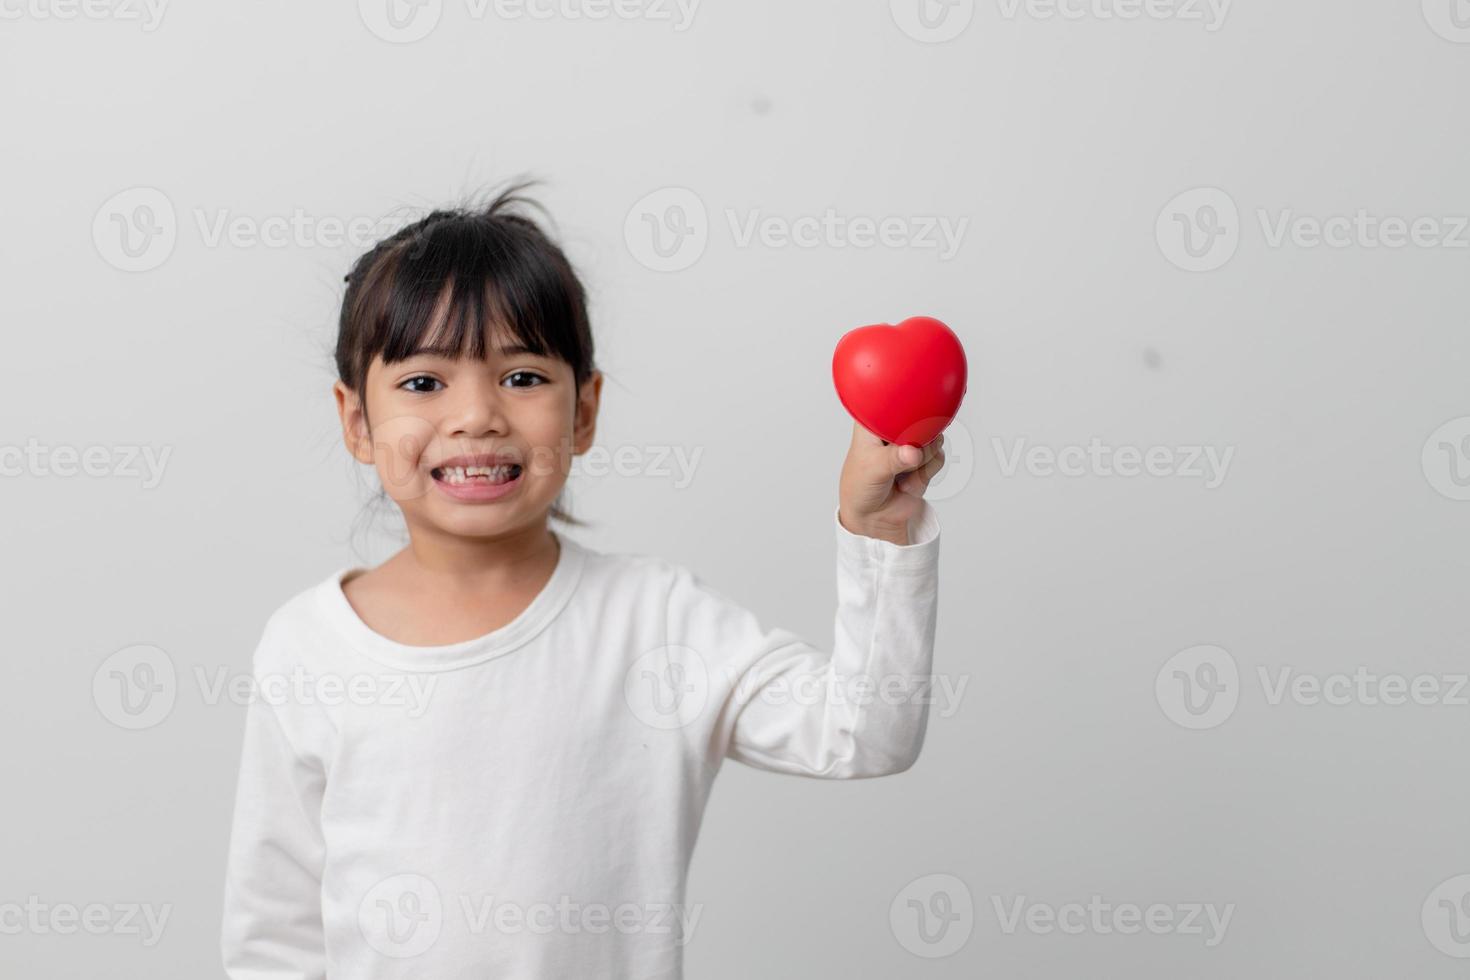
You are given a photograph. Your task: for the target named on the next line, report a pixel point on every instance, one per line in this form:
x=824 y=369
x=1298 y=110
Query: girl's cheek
x=550 y=460
x=399 y=443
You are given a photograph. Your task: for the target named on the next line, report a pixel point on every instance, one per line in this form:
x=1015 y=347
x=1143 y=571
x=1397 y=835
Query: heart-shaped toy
x=902 y=383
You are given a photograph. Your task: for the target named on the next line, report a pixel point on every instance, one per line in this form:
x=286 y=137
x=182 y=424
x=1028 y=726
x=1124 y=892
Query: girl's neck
x=446 y=559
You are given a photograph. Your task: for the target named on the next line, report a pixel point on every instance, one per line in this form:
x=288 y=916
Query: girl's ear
x=584 y=428
x=354 y=423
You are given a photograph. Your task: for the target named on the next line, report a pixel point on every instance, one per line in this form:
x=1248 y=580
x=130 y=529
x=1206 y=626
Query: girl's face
x=474 y=448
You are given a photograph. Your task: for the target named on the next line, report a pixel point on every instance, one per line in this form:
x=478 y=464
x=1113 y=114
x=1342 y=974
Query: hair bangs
x=469 y=282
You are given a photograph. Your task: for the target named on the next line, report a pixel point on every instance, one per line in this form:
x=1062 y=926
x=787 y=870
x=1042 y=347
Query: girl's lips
x=478 y=490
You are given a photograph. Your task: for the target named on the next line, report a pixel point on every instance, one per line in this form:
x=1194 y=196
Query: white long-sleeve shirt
x=525 y=804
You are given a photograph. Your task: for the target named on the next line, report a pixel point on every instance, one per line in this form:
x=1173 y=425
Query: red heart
x=904 y=383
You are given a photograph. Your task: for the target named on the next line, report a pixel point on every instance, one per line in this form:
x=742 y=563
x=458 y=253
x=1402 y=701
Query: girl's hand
x=882 y=485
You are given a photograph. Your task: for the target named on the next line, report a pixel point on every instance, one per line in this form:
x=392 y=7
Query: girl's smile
x=478 y=478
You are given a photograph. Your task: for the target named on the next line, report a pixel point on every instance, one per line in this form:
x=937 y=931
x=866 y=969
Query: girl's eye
x=526 y=374
x=422 y=384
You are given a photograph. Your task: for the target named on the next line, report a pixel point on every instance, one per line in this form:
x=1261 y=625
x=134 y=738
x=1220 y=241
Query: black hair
x=497 y=267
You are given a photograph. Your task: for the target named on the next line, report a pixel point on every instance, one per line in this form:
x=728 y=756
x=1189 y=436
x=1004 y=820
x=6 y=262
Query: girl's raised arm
x=781 y=704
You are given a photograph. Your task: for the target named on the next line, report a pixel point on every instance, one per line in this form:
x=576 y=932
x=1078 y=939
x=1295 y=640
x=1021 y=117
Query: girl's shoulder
x=628 y=575
x=297 y=625
x=621 y=571
x=651 y=584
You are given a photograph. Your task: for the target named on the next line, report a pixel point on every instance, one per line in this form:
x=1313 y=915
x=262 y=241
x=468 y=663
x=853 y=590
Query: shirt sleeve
x=272 y=926
x=856 y=710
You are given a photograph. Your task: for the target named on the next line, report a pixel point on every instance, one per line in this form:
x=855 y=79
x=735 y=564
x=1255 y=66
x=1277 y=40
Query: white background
x=1334 y=542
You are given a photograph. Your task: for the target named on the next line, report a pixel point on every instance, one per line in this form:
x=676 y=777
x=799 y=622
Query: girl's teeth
x=459 y=474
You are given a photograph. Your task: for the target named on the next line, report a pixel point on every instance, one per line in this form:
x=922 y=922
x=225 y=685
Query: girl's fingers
x=887 y=461
x=917 y=482
x=924 y=456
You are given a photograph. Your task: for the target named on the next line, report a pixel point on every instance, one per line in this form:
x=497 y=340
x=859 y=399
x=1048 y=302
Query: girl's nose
x=476 y=413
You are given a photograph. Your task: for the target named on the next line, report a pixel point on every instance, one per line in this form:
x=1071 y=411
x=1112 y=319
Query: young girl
x=495 y=749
